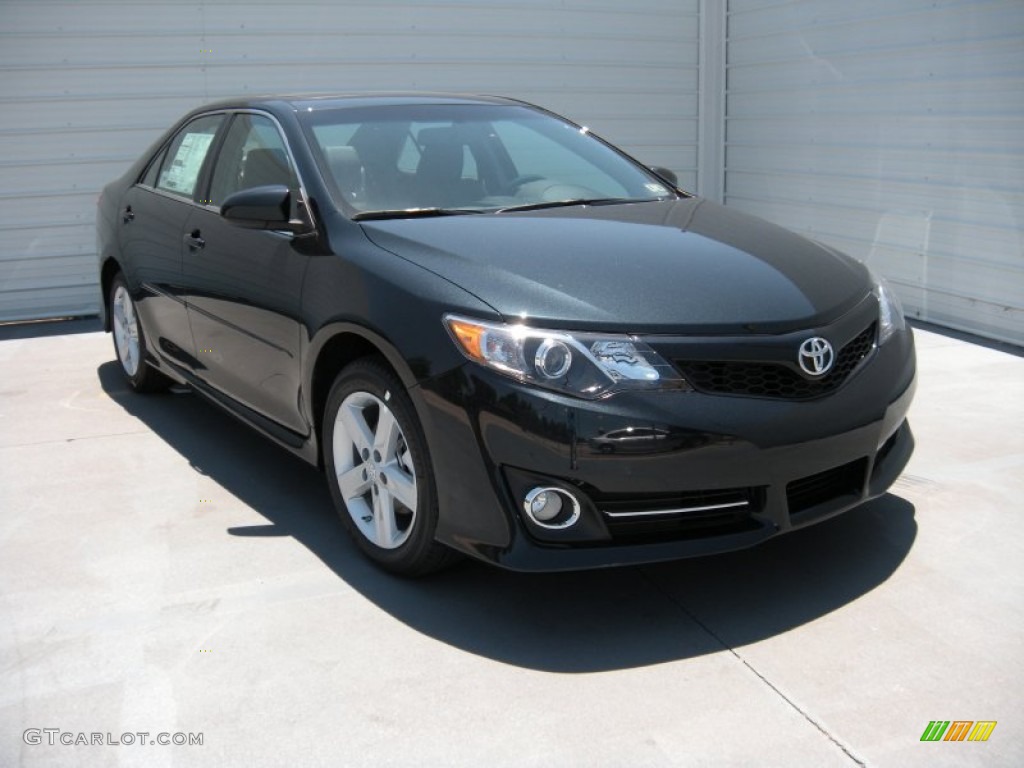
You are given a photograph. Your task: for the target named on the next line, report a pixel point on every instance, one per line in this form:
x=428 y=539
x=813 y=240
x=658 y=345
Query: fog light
x=545 y=506
x=551 y=507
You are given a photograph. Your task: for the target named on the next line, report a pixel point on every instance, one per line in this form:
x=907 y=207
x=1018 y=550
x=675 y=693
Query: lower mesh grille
x=810 y=491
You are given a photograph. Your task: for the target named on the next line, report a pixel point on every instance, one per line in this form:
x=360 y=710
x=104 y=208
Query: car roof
x=309 y=102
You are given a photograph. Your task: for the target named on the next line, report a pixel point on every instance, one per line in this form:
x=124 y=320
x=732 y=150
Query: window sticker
x=183 y=170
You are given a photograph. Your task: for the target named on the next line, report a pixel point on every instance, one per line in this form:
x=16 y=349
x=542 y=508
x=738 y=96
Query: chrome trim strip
x=681 y=511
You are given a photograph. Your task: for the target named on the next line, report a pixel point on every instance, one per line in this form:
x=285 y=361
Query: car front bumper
x=676 y=490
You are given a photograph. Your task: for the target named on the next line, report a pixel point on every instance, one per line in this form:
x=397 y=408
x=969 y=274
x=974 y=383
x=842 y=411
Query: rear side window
x=150 y=178
x=179 y=172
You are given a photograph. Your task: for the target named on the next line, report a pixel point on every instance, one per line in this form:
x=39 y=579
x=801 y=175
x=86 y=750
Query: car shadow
x=563 y=622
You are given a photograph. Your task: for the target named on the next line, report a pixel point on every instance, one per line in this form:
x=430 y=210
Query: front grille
x=685 y=515
x=810 y=491
x=766 y=379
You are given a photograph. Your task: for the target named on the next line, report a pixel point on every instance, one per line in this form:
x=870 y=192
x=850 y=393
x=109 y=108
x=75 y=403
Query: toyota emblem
x=816 y=356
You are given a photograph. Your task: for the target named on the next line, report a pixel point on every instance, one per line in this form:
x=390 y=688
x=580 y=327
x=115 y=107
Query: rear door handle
x=128 y=214
x=194 y=240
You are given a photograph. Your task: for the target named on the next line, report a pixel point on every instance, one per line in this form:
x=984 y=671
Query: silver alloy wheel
x=126 y=331
x=375 y=471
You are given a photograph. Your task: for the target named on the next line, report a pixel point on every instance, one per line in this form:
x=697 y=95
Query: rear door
x=244 y=285
x=152 y=218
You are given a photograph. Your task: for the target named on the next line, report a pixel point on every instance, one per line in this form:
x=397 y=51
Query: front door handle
x=128 y=214
x=194 y=240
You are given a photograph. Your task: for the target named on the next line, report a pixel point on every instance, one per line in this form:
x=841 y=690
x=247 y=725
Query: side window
x=253 y=155
x=149 y=179
x=179 y=171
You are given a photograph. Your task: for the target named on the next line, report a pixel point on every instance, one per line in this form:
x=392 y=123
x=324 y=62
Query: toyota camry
x=499 y=335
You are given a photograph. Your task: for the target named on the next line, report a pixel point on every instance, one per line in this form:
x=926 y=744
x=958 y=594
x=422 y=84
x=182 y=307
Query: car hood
x=680 y=266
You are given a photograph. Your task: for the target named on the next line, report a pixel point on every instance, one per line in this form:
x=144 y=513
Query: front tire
x=379 y=471
x=130 y=341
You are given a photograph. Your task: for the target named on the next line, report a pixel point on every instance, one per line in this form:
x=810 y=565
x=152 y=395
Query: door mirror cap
x=266 y=207
x=666 y=175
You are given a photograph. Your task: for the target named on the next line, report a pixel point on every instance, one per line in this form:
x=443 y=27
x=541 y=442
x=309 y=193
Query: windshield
x=467 y=158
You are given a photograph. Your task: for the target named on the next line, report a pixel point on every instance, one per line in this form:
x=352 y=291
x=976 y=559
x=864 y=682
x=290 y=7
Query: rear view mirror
x=266 y=207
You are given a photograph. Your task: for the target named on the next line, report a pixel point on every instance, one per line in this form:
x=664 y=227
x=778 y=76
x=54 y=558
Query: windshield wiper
x=411 y=213
x=582 y=201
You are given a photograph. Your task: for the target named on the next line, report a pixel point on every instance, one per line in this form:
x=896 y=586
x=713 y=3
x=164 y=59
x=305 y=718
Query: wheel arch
x=333 y=348
x=108 y=272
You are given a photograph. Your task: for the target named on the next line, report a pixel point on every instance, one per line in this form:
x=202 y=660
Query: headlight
x=890 y=311
x=582 y=364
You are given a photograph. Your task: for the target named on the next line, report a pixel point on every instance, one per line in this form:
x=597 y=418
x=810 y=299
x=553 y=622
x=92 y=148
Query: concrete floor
x=164 y=570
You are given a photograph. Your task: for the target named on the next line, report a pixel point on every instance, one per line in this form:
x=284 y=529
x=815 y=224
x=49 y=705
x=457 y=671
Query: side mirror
x=266 y=207
x=667 y=175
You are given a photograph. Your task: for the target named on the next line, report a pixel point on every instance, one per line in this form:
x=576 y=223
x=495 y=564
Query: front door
x=244 y=285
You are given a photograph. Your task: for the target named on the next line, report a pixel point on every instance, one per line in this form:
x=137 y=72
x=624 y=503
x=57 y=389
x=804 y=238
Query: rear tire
x=130 y=341
x=379 y=471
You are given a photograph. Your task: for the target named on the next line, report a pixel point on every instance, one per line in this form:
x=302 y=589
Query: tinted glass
x=179 y=172
x=480 y=157
x=253 y=155
x=154 y=168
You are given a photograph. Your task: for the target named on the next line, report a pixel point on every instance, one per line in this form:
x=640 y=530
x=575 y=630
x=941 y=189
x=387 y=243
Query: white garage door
x=85 y=86
x=893 y=129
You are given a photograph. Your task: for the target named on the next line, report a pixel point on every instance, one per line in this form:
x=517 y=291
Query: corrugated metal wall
x=894 y=130
x=86 y=85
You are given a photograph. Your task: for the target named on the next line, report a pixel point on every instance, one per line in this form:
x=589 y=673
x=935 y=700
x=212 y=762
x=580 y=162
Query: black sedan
x=500 y=335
